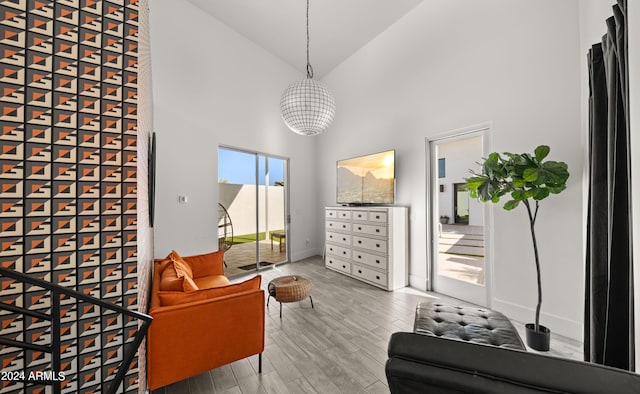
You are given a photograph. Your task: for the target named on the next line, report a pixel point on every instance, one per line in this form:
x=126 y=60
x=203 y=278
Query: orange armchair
x=212 y=324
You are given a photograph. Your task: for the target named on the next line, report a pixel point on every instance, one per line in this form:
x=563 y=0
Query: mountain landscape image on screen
x=366 y=180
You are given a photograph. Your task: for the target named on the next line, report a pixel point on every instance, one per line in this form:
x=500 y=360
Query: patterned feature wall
x=68 y=77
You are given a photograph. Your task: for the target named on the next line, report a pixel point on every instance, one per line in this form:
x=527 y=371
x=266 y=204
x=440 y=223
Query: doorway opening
x=460 y=203
x=252 y=209
x=459 y=258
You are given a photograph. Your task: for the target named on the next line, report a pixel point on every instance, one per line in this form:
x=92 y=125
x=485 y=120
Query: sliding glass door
x=252 y=209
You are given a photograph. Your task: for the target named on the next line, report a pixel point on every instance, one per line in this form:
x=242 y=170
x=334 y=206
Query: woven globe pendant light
x=306 y=106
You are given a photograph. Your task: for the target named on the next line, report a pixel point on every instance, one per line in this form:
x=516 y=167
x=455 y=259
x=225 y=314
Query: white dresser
x=368 y=243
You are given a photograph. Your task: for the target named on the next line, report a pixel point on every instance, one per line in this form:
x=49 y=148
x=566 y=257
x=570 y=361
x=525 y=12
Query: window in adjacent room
x=441 y=168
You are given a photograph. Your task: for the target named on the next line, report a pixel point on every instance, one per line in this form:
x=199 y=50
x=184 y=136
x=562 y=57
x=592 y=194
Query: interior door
x=252 y=190
x=459 y=236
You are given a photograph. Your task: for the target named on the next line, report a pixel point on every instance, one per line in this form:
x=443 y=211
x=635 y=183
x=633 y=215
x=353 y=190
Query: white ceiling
x=337 y=28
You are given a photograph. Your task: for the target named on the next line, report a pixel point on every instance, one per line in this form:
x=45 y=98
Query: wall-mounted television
x=368 y=179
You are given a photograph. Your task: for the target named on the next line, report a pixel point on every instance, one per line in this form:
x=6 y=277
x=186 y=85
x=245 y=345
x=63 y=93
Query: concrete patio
x=241 y=255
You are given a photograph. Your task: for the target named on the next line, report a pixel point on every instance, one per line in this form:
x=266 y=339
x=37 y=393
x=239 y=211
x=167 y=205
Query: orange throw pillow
x=189 y=285
x=177 y=276
x=169 y=280
x=181 y=266
x=168 y=298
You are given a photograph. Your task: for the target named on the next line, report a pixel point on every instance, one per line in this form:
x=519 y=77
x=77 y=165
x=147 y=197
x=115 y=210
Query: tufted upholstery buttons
x=467 y=324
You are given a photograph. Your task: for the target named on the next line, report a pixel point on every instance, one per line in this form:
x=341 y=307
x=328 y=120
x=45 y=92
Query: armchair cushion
x=168 y=298
x=208 y=282
x=208 y=264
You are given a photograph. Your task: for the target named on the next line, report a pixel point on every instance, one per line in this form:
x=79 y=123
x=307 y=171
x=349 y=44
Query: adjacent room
x=174 y=222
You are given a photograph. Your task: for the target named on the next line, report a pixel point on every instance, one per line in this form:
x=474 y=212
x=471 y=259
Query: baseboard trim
x=558 y=324
x=301 y=255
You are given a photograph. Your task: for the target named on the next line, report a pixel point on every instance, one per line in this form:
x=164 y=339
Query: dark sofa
x=428 y=364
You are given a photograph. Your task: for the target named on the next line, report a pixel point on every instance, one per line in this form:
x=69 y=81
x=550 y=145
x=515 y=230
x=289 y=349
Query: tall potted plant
x=526 y=179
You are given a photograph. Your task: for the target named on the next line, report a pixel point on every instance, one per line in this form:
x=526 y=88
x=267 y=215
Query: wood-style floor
x=340 y=346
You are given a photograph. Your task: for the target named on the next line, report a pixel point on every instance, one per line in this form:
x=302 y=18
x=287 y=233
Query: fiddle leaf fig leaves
x=541 y=152
x=530 y=174
x=522 y=176
x=511 y=204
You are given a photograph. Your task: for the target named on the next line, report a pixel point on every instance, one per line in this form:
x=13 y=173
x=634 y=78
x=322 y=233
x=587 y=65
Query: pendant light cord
x=309 y=68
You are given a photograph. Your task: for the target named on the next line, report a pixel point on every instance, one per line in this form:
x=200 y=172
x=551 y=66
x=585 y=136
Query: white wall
x=451 y=64
x=212 y=86
x=240 y=203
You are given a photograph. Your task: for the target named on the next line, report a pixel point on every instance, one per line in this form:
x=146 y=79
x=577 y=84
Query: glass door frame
x=287 y=218
x=477 y=294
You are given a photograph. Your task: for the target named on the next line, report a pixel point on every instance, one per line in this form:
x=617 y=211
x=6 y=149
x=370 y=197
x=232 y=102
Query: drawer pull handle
x=377 y=245
x=359 y=228
x=344 y=266
x=344 y=252
x=378 y=277
x=378 y=261
x=359 y=256
x=377 y=230
x=359 y=241
x=344 y=239
x=359 y=271
x=377 y=216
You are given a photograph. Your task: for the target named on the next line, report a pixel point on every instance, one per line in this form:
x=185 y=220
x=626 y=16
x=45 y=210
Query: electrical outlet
x=182 y=199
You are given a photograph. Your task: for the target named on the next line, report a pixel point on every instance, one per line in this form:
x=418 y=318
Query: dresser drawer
x=340 y=251
x=360 y=215
x=370 y=243
x=330 y=213
x=333 y=225
x=373 y=260
x=369 y=275
x=344 y=214
x=370 y=229
x=378 y=217
x=338 y=264
x=343 y=239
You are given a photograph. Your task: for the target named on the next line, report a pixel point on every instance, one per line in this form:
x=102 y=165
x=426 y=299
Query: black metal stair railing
x=53 y=376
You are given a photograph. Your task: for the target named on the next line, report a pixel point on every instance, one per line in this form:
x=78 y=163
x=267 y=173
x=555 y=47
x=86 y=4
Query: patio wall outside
x=240 y=202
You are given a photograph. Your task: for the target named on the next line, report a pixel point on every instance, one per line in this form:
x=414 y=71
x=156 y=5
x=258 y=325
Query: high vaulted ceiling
x=337 y=28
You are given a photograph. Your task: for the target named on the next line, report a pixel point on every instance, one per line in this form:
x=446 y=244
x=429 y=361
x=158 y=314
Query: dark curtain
x=608 y=328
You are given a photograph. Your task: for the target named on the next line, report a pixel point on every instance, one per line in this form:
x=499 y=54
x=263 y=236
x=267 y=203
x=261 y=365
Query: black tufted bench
x=468 y=324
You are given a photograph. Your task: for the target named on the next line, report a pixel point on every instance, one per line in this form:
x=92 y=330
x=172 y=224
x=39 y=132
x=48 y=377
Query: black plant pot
x=538 y=340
